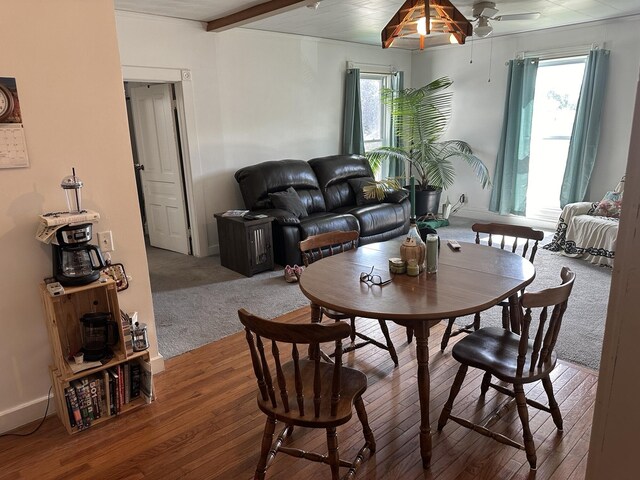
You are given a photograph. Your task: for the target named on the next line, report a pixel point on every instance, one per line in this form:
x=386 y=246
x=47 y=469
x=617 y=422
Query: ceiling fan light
x=422 y=26
x=453 y=39
x=483 y=29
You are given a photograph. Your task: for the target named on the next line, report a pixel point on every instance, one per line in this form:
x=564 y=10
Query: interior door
x=157 y=144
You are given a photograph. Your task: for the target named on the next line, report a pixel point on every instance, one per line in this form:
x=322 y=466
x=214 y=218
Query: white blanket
x=580 y=234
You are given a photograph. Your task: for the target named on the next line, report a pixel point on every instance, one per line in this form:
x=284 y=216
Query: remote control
x=55 y=289
x=454 y=245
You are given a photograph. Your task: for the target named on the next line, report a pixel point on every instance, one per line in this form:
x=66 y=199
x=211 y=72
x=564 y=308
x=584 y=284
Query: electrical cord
x=46 y=410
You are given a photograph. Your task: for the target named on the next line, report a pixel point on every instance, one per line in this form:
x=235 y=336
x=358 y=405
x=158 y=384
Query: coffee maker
x=75 y=261
x=99 y=333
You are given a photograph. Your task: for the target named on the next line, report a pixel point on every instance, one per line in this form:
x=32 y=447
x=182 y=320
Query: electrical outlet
x=105 y=241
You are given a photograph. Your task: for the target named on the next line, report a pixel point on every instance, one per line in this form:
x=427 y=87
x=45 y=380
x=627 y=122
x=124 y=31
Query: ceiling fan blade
x=488 y=12
x=518 y=16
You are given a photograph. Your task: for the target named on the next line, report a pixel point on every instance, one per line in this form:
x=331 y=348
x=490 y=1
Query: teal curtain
x=394 y=167
x=352 y=134
x=509 y=194
x=585 y=136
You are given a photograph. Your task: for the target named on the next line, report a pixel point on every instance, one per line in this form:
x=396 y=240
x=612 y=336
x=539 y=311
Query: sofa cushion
x=257 y=181
x=333 y=173
x=290 y=201
x=326 y=222
x=378 y=218
x=357 y=185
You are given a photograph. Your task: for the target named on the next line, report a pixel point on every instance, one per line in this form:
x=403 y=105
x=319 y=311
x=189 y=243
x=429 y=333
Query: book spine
x=95 y=400
x=70 y=393
x=135 y=380
x=82 y=403
x=127 y=382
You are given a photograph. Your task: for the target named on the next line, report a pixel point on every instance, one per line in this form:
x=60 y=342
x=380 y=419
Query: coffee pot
x=75 y=261
x=99 y=333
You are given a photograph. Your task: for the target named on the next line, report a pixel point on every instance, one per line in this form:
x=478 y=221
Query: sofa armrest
x=396 y=196
x=283 y=217
x=574 y=209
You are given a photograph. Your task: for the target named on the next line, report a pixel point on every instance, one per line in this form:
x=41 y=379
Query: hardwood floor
x=205 y=424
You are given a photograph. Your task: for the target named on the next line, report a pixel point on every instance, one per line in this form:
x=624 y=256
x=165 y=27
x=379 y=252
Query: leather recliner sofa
x=327 y=188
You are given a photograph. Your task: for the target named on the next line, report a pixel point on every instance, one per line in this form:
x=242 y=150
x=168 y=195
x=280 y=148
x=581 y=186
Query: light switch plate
x=105 y=241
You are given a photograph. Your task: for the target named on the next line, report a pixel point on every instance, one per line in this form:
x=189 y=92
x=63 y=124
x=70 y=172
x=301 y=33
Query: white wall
x=479 y=103
x=257 y=95
x=64 y=55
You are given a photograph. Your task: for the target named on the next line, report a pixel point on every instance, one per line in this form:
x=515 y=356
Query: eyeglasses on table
x=373 y=279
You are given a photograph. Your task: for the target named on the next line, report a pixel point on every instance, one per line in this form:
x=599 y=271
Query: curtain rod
x=559 y=52
x=372 y=67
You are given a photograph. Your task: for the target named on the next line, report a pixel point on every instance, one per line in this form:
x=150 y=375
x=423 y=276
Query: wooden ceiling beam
x=251 y=14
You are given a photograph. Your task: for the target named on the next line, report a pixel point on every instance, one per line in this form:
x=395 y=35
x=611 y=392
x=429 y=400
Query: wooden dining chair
x=306 y=393
x=515 y=359
x=523 y=240
x=317 y=247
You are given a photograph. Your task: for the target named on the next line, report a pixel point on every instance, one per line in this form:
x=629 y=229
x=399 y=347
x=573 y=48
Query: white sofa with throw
x=589 y=230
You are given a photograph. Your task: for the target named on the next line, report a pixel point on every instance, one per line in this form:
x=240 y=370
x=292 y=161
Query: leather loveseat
x=329 y=189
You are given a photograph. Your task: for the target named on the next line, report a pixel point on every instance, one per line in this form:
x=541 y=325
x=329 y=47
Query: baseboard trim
x=25 y=413
x=510 y=219
x=157 y=364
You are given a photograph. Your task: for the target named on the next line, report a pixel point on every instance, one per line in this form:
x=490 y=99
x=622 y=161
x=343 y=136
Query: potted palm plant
x=420 y=117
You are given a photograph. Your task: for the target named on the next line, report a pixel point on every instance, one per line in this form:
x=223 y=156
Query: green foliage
x=420 y=117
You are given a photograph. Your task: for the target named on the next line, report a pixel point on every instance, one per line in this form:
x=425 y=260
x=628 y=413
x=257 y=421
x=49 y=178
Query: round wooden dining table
x=470 y=280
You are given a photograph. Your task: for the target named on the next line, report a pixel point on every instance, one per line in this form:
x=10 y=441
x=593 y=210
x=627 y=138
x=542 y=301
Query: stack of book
x=98 y=395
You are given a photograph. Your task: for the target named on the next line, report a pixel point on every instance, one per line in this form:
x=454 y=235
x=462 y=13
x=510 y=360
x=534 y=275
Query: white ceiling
x=361 y=21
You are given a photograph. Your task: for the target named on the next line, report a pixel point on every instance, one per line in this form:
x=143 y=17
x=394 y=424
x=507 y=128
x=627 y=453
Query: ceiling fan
x=485 y=11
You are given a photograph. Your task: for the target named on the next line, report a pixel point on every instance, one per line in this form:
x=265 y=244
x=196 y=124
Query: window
x=554 y=109
x=376 y=117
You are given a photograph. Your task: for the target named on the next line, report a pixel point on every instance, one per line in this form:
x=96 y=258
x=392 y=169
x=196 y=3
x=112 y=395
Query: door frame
x=191 y=163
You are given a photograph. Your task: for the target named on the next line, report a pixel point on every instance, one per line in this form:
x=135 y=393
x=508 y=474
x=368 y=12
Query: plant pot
x=427 y=201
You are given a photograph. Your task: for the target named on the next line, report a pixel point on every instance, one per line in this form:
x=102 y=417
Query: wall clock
x=6 y=103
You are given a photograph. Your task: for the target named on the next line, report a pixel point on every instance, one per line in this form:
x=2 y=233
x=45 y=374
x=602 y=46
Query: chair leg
x=523 y=412
x=267 y=440
x=553 y=405
x=387 y=337
x=506 y=317
x=486 y=380
x=447 y=334
x=455 y=389
x=353 y=329
x=364 y=420
x=333 y=457
x=476 y=321
x=409 y=334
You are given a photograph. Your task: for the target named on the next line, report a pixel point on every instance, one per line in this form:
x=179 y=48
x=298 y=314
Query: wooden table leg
x=421 y=332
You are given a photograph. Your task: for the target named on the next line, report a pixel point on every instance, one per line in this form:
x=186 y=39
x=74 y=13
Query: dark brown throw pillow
x=290 y=201
x=357 y=185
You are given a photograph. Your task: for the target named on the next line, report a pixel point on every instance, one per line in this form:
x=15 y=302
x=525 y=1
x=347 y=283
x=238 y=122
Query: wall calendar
x=13 y=147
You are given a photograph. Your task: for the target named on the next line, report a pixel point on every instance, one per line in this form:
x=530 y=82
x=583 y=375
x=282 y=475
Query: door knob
x=138 y=166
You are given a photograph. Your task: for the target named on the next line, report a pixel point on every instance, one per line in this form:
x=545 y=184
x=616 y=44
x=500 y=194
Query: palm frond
x=420 y=117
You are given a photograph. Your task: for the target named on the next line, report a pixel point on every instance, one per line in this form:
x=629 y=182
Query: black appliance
x=99 y=333
x=75 y=261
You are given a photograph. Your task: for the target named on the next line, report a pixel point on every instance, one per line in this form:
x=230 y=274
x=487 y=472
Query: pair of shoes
x=290 y=274
x=298 y=271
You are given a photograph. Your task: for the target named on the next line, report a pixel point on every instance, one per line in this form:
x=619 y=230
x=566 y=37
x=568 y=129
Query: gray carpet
x=196 y=300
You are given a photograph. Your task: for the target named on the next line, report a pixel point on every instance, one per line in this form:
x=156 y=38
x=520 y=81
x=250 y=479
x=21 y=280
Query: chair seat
x=495 y=350
x=353 y=384
x=335 y=315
